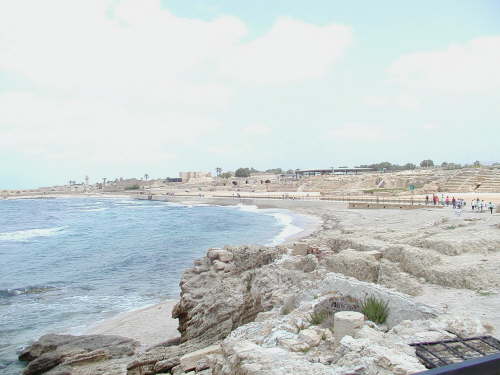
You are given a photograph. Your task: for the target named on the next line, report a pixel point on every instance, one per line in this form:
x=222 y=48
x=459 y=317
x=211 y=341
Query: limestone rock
x=65 y=351
x=166 y=365
x=354 y=263
x=43 y=363
x=311 y=336
x=213 y=304
x=346 y=323
x=191 y=360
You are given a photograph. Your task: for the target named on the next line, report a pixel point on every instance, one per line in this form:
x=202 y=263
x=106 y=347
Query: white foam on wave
x=248 y=208
x=90 y=209
x=24 y=235
x=289 y=229
x=283 y=219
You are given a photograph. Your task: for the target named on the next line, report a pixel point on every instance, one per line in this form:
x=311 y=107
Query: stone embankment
x=254 y=310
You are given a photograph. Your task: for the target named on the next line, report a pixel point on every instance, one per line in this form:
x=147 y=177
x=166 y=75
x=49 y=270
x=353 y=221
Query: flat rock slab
x=51 y=350
x=190 y=360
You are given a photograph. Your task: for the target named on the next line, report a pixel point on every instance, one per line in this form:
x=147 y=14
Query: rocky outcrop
x=218 y=294
x=66 y=353
x=249 y=309
x=282 y=345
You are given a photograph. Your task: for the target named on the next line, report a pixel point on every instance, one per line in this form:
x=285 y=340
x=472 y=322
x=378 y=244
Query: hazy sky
x=114 y=88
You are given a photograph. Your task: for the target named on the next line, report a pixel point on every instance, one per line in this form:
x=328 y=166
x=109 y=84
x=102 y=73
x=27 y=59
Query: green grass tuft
x=318 y=317
x=375 y=310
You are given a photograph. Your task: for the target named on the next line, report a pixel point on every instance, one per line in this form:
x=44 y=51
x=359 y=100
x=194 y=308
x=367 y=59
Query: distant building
x=195 y=177
x=329 y=171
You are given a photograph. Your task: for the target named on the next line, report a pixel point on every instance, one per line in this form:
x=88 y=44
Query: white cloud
x=430 y=126
x=257 y=129
x=291 y=51
x=360 y=133
x=460 y=68
x=65 y=129
x=126 y=80
x=404 y=101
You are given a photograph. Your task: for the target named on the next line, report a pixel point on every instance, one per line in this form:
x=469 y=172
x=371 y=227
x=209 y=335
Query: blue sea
x=68 y=263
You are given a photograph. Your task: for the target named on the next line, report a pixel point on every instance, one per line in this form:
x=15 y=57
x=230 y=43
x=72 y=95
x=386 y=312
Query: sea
x=68 y=263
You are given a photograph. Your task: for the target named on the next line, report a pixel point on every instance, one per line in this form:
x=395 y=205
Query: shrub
x=375 y=310
x=132 y=187
x=318 y=317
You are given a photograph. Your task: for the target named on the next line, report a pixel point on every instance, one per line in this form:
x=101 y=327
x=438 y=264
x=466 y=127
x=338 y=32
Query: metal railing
x=488 y=365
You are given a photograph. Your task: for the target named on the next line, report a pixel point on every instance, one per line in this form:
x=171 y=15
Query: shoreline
x=412 y=258
x=152 y=324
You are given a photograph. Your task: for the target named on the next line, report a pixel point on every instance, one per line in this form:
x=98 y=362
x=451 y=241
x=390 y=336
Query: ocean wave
x=248 y=208
x=24 y=235
x=289 y=229
x=93 y=209
x=36 y=289
x=144 y=206
x=283 y=219
x=122 y=202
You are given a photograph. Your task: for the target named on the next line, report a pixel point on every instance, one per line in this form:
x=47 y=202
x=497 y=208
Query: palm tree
x=146 y=176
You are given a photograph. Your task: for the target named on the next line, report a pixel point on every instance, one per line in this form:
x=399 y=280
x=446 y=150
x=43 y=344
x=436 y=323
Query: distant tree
x=146 y=176
x=218 y=171
x=476 y=164
x=444 y=165
x=290 y=171
x=409 y=166
x=253 y=170
x=226 y=175
x=242 y=172
x=275 y=170
x=427 y=163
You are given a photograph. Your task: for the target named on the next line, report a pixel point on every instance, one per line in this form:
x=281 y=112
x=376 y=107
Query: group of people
x=476 y=204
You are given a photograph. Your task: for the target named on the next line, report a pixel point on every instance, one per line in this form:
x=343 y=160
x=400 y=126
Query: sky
x=120 y=88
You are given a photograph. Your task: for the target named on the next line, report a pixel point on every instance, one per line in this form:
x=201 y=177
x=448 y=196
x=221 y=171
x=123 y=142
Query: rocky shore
x=248 y=309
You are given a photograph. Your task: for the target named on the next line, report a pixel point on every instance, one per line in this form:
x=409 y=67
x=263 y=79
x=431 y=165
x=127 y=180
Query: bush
x=132 y=187
x=318 y=317
x=375 y=310
x=242 y=172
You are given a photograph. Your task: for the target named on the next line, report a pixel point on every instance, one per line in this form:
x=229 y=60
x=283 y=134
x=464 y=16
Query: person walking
x=426 y=200
x=491 y=206
x=454 y=202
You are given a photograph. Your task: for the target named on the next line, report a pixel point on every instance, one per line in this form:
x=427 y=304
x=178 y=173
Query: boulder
x=65 y=351
x=345 y=323
x=356 y=264
x=191 y=360
x=311 y=336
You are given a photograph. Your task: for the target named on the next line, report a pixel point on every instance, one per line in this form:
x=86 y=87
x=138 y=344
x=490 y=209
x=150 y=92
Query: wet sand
x=150 y=325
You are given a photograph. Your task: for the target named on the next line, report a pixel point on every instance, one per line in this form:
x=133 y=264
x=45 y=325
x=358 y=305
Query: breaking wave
x=25 y=290
x=289 y=229
x=285 y=220
x=24 y=235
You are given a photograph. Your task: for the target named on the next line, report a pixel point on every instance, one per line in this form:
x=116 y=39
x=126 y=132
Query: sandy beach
x=154 y=324
x=430 y=262
x=149 y=325
x=363 y=226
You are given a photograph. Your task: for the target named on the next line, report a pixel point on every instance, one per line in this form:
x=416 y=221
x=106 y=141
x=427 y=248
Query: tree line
x=382 y=166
